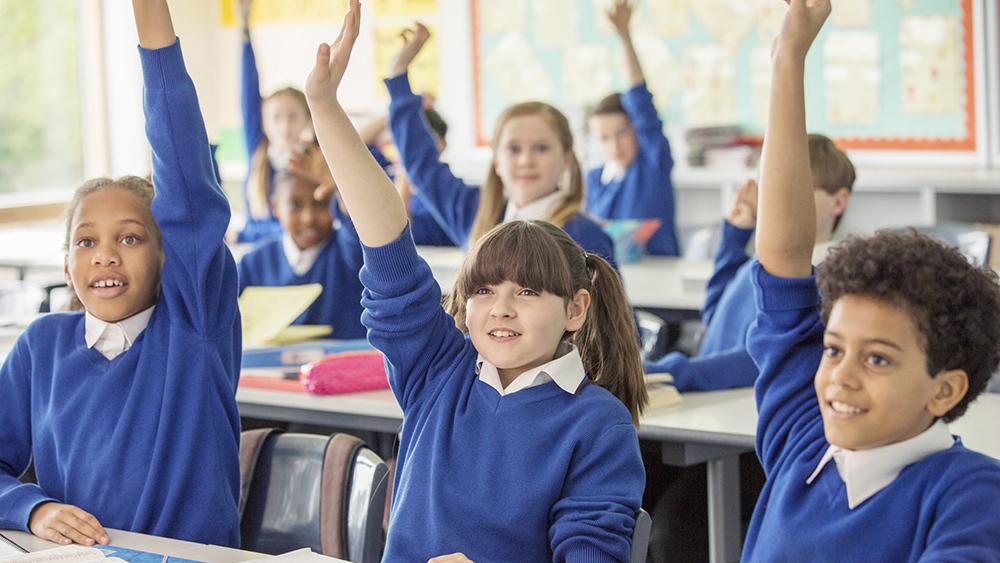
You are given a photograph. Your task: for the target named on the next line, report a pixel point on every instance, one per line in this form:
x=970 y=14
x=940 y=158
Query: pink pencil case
x=346 y=372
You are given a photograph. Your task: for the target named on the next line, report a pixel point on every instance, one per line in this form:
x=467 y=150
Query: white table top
x=150 y=544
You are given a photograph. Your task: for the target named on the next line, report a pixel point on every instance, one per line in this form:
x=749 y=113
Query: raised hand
x=413 y=41
x=802 y=23
x=65 y=524
x=620 y=13
x=331 y=60
x=307 y=161
x=743 y=213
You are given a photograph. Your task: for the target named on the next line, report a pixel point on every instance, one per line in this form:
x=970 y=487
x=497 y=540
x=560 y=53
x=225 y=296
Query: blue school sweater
x=538 y=475
x=945 y=507
x=646 y=190
x=336 y=268
x=722 y=361
x=253 y=134
x=148 y=441
x=452 y=203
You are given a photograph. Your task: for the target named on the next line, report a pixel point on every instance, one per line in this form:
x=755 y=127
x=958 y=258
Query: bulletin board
x=895 y=75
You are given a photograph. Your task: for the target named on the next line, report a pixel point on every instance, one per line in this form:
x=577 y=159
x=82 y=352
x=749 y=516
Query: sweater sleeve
x=406 y=321
x=711 y=372
x=730 y=255
x=653 y=144
x=250 y=102
x=452 y=203
x=17 y=499
x=961 y=530
x=594 y=519
x=786 y=343
x=199 y=277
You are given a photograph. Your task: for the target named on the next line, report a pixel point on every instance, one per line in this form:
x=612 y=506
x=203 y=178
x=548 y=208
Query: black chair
x=326 y=493
x=640 y=537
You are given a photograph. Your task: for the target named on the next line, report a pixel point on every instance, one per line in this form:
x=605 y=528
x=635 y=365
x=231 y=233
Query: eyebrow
x=122 y=222
x=888 y=343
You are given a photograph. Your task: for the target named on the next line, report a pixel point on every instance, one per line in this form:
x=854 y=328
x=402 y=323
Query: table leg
x=724 y=525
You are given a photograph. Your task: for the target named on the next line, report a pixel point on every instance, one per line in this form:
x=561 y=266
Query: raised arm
x=620 y=13
x=152 y=21
x=786 y=222
x=250 y=102
x=378 y=212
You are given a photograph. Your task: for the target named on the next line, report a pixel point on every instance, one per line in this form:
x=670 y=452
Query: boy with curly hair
x=856 y=386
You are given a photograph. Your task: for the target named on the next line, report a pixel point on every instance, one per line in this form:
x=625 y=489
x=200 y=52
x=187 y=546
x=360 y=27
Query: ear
x=952 y=385
x=69 y=279
x=577 y=310
x=840 y=200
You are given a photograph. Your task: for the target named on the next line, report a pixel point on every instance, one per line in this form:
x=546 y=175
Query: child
x=634 y=183
x=528 y=461
x=723 y=361
x=274 y=129
x=533 y=161
x=311 y=251
x=859 y=377
x=129 y=410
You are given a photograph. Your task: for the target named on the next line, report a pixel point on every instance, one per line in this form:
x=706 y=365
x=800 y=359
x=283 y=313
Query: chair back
x=326 y=493
x=640 y=537
x=973 y=243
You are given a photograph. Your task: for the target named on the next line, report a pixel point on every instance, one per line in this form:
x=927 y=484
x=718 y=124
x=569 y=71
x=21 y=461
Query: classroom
x=903 y=94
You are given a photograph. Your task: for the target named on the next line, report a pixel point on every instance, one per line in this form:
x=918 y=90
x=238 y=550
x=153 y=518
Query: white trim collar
x=301 y=261
x=111 y=342
x=612 y=172
x=566 y=370
x=540 y=208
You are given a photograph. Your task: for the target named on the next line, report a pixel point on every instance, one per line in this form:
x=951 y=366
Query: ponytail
x=259 y=183
x=608 y=340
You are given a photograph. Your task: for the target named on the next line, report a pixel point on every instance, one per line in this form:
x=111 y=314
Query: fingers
x=452 y=558
x=65 y=524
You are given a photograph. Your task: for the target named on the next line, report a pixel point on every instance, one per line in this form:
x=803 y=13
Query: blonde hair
x=259 y=179
x=540 y=255
x=491 y=196
x=139 y=187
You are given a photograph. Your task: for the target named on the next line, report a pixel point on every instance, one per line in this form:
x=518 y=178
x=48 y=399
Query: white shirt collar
x=566 y=370
x=112 y=339
x=301 y=261
x=541 y=208
x=612 y=172
x=866 y=472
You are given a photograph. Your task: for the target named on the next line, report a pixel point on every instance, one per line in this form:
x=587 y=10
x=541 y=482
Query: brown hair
x=539 y=255
x=491 y=195
x=259 y=180
x=831 y=169
x=611 y=104
x=139 y=187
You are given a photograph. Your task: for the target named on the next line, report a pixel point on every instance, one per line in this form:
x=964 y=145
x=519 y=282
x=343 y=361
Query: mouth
x=107 y=287
x=503 y=335
x=840 y=409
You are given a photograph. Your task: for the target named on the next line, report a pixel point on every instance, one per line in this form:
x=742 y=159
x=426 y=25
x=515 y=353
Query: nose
x=106 y=255
x=526 y=158
x=844 y=375
x=502 y=307
x=308 y=215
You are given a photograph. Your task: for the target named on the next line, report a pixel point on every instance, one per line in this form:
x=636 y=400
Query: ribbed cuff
x=164 y=66
x=385 y=262
x=399 y=85
x=772 y=293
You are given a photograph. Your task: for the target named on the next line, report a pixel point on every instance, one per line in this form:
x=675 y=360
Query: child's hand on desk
x=453 y=558
x=65 y=524
x=744 y=211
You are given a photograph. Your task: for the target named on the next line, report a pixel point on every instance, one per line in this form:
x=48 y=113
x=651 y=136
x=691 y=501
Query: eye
x=85 y=243
x=542 y=148
x=482 y=291
x=832 y=351
x=529 y=292
x=511 y=149
x=877 y=360
x=295 y=206
x=130 y=240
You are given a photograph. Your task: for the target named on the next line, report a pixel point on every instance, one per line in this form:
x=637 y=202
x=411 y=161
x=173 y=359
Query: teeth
x=107 y=283
x=845 y=408
x=503 y=333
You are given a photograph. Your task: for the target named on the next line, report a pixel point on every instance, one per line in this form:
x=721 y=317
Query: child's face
x=305 y=219
x=517 y=328
x=616 y=138
x=284 y=120
x=115 y=255
x=828 y=208
x=529 y=158
x=872 y=383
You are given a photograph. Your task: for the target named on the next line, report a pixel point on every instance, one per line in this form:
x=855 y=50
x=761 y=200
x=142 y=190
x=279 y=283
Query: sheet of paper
x=852 y=77
x=557 y=23
x=709 y=96
x=423 y=71
x=852 y=13
x=760 y=80
x=63 y=554
x=284 y=11
x=929 y=65
x=502 y=15
x=403 y=7
x=669 y=18
x=770 y=14
x=298 y=333
x=304 y=555
x=659 y=66
x=587 y=75
x=518 y=73
x=728 y=20
x=266 y=311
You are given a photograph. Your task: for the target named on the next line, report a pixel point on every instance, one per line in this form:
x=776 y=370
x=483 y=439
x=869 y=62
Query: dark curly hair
x=956 y=306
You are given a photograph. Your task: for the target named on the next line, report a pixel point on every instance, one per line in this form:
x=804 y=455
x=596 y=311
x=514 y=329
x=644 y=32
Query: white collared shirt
x=541 y=208
x=112 y=339
x=566 y=370
x=866 y=472
x=301 y=261
x=612 y=172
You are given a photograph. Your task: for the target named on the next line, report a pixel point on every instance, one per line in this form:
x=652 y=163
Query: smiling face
x=872 y=383
x=115 y=255
x=529 y=158
x=616 y=138
x=306 y=219
x=516 y=328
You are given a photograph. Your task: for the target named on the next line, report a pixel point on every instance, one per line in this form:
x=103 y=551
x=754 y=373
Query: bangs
x=523 y=252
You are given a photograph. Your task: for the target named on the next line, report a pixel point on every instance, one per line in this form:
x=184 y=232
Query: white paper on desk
x=63 y=554
x=304 y=555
